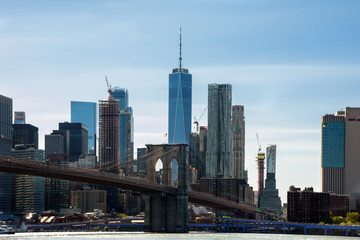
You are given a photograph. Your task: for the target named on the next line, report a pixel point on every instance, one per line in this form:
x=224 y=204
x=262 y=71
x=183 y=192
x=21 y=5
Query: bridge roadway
x=27 y=167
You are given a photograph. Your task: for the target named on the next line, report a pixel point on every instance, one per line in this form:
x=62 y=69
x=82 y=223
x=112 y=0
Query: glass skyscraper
x=85 y=112
x=180 y=99
x=333 y=152
x=219 y=157
x=78 y=139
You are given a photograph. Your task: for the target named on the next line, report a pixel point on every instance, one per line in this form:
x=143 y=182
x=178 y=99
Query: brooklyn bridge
x=166 y=207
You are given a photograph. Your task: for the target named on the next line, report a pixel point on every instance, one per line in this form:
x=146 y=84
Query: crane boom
x=108 y=85
x=257 y=136
x=196 y=121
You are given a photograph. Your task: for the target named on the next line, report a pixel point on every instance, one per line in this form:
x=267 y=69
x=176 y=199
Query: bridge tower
x=167 y=212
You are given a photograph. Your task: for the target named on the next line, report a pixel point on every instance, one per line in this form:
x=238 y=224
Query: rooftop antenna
x=180 y=59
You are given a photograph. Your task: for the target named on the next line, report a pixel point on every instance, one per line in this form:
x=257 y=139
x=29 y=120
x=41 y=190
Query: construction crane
x=196 y=121
x=260 y=161
x=257 y=136
x=108 y=85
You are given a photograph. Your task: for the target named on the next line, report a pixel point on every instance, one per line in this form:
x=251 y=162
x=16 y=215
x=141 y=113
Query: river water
x=153 y=236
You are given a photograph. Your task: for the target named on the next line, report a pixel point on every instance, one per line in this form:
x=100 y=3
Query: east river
x=150 y=236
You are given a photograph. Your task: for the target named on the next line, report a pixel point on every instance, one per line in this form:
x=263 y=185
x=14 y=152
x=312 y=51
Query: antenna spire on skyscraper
x=180 y=59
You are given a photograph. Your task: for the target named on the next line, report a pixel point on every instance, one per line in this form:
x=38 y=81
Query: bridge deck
x=26 y=167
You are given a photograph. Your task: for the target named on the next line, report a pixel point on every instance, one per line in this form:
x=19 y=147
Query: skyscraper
x=54 y=144
x=57 y=191
x=29 y=192
x=85 y=112
x=333 y=152
x=25 y=134
x=340 y=152
x=78 y=139
x=109 y=132
x=238 y=128
x=270 y=195
x=180 y=90
x=219 y=158
x=352 y=153
x=126 y=124
x=6 y=138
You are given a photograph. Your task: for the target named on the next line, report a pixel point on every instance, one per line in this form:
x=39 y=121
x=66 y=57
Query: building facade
x=109 y=133
x=238 y=128
x=85 y=112
x=219 y=157
x=197 y=152
x=340 y=151
x=29 y=191
x=126 y=124
x=88 y=200
x=57 y=191
x=6 y=143
x=25 y=134
x=308 y=206
x=78 y=139
x=269 y=198
x=352 y=153
x=333 y=152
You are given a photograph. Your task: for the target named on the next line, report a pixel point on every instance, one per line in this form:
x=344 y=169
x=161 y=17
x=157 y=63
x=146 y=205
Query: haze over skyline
x=289 y=63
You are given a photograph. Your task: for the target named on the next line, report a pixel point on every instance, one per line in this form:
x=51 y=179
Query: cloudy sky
x=289 y=63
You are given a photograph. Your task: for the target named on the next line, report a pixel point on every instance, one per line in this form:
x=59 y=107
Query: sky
x=289 y=63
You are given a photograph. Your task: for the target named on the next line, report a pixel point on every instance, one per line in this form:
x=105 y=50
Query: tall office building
x=126 y=124
x=109 y=132
x=238 y=128
x=219 y=157
x=270 y=195
x=29 y=191
x=333 y=152
x=6 y=138
x=78 y=139
x=340 y=151
x=25 y=134
x=352 y=153
x=85 y=112
x=19 y=118
x=197 y=151
x=54 y=144
x=180 y=95
x=57 y=191
x=109 y=145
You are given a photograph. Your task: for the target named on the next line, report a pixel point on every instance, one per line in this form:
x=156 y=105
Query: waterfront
x=146 y=236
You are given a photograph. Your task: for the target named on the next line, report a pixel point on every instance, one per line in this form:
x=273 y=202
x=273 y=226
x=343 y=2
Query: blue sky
x=289 y=63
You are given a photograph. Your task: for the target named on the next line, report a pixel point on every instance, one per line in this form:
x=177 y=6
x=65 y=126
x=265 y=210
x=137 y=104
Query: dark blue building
x=25 y=134
x=78 y=139
x=180 y=99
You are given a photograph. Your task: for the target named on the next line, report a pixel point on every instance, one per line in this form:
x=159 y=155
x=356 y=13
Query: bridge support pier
x=167 y=213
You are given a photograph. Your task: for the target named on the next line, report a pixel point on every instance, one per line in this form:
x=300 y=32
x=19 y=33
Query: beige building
x=238 y=128
x=88 y=200
x=352 y=155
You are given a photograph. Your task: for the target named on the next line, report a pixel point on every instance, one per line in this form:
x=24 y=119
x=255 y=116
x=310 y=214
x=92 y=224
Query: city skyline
x=288 y=63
